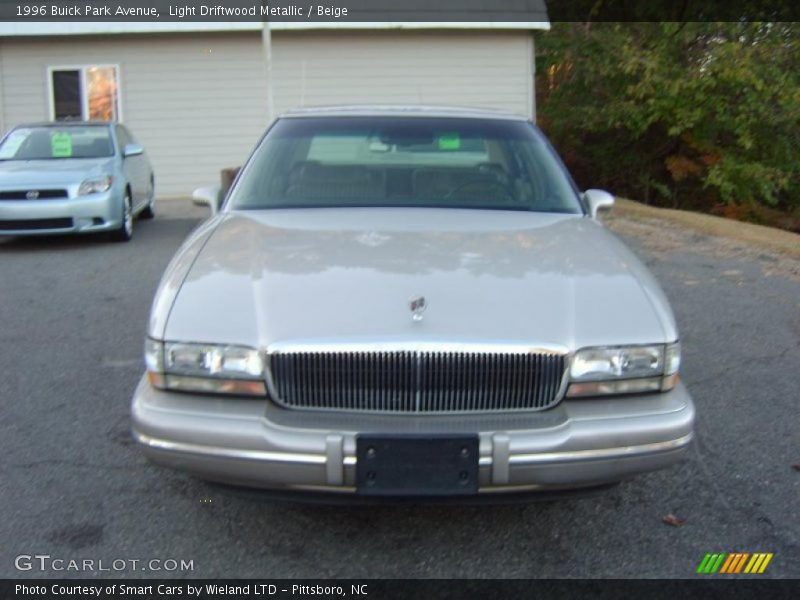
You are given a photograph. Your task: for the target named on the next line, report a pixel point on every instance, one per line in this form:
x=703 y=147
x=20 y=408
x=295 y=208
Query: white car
x=410 y=301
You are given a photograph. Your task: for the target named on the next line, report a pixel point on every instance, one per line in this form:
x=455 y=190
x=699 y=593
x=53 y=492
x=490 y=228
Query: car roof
x=402 y=111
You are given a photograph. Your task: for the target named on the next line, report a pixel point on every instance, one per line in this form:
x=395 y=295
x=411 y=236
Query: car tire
x=150 y=210
x=125 y=231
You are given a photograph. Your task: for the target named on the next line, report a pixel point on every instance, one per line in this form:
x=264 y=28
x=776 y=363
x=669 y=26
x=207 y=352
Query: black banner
x=373 y=589
x=395 y=11
x=279 y=11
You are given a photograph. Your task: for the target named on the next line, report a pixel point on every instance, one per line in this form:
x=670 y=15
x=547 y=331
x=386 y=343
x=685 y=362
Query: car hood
x=34 y=174
x=261 y=277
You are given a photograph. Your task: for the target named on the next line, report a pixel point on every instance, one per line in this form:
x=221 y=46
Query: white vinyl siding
x=194 y=102
x=198 y=102
x=476 y=69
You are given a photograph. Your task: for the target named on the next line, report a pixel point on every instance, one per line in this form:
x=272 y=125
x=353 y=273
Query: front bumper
x=83 y=214
x=578 y=443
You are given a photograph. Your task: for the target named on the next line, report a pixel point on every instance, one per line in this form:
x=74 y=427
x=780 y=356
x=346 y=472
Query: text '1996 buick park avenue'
x=409 y=301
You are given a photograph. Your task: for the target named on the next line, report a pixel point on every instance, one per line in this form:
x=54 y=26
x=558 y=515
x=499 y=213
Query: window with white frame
x=84 y=93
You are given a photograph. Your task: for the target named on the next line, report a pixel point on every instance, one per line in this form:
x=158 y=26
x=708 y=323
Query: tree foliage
x=685 y=114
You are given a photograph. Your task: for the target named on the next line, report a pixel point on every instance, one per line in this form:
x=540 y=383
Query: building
x=197 y=94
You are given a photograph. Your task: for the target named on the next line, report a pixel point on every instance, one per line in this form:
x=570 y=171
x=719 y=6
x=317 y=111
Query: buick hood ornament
x=417 y=305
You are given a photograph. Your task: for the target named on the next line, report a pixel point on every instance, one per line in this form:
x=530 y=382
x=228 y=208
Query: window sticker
x=61 y=145
x=449 y=141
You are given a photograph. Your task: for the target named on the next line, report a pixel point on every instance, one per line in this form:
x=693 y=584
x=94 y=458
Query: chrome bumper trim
x=601 y=453
x=218 y=452
x=321 y=459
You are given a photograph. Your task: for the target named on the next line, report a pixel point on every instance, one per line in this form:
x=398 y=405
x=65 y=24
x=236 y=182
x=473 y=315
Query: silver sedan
x=410 y=302
x=58 y=178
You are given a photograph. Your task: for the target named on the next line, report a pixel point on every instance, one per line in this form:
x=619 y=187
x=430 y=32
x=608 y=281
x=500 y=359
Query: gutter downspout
x=266 y=47
x=2 y=90
x=532 y=79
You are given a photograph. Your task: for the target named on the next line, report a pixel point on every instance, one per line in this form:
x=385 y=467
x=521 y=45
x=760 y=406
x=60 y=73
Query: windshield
x=45 y=143
x=404 y=161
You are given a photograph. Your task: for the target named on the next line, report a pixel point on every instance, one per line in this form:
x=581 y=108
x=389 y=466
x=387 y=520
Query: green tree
x=686 y=114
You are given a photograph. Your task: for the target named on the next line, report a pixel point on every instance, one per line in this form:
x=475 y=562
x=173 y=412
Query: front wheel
x=125 y=231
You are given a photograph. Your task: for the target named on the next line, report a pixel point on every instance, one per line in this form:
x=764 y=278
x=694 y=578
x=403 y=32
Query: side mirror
x=208 y=196
x=132 y=150
x=597 y=199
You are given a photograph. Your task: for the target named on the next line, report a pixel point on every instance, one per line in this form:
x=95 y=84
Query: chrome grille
x=417 y=381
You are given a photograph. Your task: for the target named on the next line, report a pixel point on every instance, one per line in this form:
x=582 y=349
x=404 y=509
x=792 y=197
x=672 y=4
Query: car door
x=136 y=169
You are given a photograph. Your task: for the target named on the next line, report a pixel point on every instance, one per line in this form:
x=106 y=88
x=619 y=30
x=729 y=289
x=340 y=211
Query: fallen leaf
x=796 y=466
x=673 y=520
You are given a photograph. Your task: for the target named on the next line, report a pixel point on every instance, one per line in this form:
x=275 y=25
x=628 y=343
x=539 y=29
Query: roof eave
x=411 y=110
x=16 y=29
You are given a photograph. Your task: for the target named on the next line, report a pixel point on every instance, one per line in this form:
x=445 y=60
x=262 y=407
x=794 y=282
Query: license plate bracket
x=416 y=465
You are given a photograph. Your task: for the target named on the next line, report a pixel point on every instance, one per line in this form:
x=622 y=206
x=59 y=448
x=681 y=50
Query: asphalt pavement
x=74 y=487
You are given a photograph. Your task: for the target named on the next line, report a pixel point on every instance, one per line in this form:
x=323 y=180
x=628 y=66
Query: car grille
x=33 y=194
x=25 y=224
x=418 y=382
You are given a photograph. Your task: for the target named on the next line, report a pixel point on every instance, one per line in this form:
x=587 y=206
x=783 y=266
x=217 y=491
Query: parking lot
x=73 y=314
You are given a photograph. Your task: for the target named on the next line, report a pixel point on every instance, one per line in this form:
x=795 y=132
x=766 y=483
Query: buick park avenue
x=409 y=301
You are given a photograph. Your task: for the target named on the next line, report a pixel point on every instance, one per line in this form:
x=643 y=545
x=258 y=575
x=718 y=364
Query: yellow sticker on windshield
x=449 y=141
x=61 y=145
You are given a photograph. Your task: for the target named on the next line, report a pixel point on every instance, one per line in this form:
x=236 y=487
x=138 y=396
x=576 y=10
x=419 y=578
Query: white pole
x=266 y=46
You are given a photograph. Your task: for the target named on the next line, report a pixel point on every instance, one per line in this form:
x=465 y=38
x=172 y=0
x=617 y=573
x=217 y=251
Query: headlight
x=96 y=185
x=624 y=370
x=210 y=368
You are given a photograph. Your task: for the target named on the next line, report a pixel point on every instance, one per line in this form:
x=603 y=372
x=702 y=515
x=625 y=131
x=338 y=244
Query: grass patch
x=777 y=240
